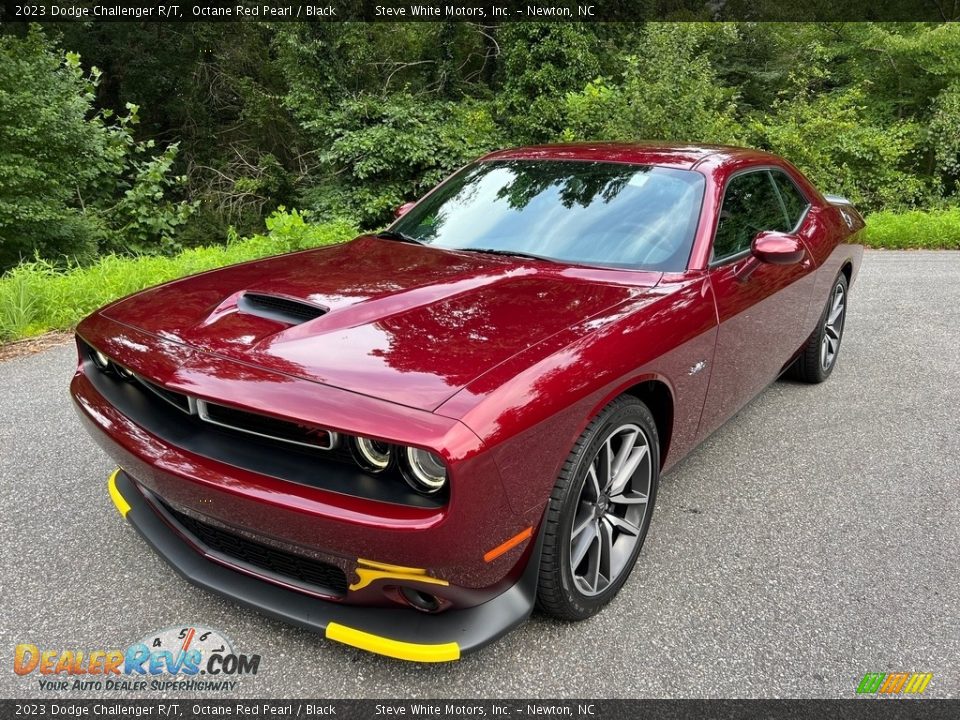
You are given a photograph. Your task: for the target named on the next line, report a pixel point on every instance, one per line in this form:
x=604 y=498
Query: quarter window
x=750 y=205
x=793 y=200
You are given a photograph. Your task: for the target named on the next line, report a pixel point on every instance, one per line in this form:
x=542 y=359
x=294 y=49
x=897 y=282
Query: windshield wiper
x=399 y=236
x=511 y=253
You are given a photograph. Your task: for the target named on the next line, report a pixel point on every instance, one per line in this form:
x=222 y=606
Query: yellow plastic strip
x=391 y=568
x=378 y=571
x=414 y=652
x=122 y=505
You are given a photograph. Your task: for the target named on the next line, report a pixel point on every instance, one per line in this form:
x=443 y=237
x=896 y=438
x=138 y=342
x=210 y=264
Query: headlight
x=99 y=359
x=425 y=471
x=372 y=455
x=122 y=372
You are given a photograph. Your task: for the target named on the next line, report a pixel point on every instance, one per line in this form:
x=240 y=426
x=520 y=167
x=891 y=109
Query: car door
x=760 y=307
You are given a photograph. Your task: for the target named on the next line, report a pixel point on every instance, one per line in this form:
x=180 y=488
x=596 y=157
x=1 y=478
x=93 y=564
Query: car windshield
x=592 y=213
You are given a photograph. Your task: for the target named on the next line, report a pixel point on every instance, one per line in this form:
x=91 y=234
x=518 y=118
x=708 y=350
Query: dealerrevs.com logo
x=190 y=659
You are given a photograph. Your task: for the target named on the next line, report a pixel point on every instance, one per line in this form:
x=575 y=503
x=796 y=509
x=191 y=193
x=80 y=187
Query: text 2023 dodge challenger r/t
x=409 y=440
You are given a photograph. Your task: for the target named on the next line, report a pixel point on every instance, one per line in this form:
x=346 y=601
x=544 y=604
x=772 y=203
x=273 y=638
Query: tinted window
x=793 y=200
x=596 y=213
x=750 y=205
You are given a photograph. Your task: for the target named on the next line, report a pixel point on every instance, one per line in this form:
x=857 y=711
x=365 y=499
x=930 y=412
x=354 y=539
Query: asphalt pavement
x=813 y=538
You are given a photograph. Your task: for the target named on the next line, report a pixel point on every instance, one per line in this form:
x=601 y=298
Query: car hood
x=405 y=323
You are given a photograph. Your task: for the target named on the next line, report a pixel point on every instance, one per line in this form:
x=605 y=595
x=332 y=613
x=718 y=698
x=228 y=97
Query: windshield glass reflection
x=594 y=213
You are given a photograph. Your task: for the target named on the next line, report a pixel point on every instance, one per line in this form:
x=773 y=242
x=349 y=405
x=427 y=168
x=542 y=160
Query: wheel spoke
x=593 y=482
x=605 y=462
x=631 y=499
x=593 y=566
x=837 y=305
x=582 y=545
x=586 y=519
x=625 y=473
x=622 y=525
x=629 y=440
x=605 y=555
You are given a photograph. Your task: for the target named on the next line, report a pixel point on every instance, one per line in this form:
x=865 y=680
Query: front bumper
x=401 y=633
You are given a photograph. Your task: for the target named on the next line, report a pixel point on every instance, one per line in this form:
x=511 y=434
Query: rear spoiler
x=850 y=214
x=837 y=200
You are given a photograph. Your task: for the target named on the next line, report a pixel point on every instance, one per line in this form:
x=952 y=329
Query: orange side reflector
x=508 y=545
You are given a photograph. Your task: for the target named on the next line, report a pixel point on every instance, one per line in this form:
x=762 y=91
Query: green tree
x=71 y=181
x=835 y=141
x=382 y=151
x=55 y=151
x=668 y=91
x=540 y=63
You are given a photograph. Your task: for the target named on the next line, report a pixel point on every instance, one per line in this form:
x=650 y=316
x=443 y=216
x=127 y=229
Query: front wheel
x=819 y=355
x=599 y=511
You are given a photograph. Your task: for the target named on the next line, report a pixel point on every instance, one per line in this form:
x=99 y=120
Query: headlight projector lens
x=372 y=455
x=425 y=471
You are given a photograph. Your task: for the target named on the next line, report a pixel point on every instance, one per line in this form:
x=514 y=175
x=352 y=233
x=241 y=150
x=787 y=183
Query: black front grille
x=174 y=398
x=281 y=449
x=327 y=578
x=266 y=426
x=292 y=312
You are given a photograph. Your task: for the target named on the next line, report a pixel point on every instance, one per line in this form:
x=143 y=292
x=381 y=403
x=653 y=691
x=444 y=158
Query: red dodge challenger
x=410 y=440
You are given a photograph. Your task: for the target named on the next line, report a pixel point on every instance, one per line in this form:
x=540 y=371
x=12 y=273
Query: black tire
x=559 y=592
x=816 y=363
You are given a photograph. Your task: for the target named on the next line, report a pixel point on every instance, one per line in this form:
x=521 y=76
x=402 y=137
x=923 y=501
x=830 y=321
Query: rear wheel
x=819 y=355
x=599 y=511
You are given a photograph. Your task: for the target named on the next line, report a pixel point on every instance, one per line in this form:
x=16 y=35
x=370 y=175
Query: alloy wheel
x=833 y=327
x=611 y=510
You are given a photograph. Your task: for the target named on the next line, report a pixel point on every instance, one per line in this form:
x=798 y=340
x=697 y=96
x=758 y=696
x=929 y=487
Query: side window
x=793 y=200
x=750 y=205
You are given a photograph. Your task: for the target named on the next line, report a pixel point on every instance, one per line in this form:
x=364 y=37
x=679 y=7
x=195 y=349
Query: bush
x=52 y=155
x=383 y=152
x=931 y=230
x=669 y=92
x=72 y=183
x=541 y=63
x=37 y=296
x=843 y=149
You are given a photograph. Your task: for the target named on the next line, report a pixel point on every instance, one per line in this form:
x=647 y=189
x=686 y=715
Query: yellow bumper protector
x=415 y=652
x=122 y=505
x=370 y=570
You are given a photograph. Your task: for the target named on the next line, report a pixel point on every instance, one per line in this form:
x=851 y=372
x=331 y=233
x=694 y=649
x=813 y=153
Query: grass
x=915 y=229
x=37 y=297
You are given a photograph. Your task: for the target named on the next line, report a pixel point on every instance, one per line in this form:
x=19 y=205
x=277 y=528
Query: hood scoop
x=281 y=309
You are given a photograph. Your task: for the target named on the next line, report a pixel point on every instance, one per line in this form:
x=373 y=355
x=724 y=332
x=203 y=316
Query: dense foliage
x=72 y=177
x=121 y=137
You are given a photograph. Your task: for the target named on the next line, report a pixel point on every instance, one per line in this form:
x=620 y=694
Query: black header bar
x=481 y=11
x=59 y=708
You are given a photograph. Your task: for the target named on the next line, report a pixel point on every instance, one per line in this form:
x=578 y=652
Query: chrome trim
x=155 y=389
x=203 y=414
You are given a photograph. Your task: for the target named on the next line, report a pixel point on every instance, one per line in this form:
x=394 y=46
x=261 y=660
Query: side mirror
x=403 y=209
x=777 y=248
